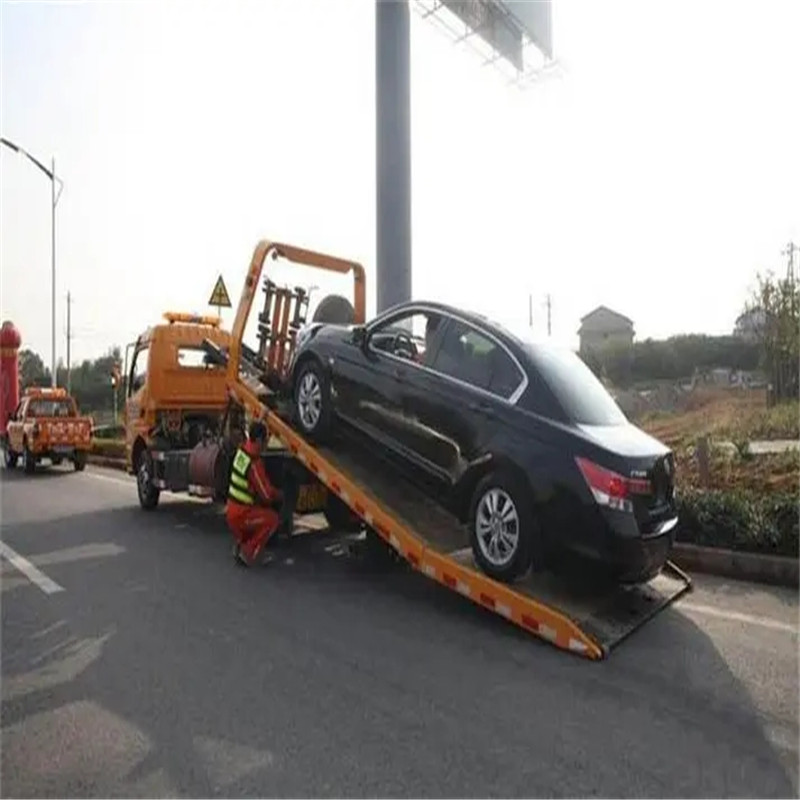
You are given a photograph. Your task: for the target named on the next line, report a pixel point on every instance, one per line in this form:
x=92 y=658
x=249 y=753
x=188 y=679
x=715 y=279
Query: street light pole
x=54 y=382
x=51 y=173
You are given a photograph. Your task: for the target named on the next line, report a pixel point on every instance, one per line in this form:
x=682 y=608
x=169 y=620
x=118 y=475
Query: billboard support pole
x=393 y=152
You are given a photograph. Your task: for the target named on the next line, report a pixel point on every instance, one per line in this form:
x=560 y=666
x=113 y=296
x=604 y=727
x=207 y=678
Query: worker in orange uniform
x=250 y=511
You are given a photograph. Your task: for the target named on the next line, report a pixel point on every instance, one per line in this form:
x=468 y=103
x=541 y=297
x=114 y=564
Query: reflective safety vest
x=239 y=488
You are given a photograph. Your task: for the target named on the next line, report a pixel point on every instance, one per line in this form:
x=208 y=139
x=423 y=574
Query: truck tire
x=28 y=460
x=149 y=493
x=339 y=516
x=9 y=458
x=79 y=461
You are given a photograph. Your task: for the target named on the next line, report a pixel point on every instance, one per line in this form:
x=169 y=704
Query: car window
x=409 y=336
x=51 y=408
x=580 y=393
x=470 y=356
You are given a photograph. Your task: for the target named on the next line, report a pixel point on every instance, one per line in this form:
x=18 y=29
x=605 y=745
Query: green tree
x=779 y=335
x=32 y=371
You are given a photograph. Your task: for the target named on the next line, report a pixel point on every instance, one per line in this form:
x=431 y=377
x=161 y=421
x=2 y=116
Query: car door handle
x=482 y=408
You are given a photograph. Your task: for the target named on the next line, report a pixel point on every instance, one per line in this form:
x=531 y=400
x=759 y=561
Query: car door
x=371 y=382
x=464 y=401
x=365 y=378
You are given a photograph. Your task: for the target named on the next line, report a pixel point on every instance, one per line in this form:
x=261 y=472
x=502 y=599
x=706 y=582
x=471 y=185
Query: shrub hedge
x=739 y=520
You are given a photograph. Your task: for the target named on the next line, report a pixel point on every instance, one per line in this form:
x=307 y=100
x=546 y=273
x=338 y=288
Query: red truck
x=46 y=425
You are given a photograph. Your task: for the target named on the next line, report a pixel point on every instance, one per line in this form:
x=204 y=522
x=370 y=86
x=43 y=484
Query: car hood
x=624 y=440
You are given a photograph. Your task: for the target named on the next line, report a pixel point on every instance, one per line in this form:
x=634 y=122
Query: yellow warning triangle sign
x=219 y=297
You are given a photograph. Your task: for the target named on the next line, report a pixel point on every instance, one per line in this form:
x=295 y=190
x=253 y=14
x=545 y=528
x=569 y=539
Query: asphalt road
x=140 y=661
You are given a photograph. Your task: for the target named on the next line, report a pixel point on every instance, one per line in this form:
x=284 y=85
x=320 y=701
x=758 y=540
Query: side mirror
x=360 y=336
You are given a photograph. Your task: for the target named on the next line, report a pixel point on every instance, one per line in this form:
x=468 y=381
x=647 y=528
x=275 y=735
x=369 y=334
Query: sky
x=656 y=173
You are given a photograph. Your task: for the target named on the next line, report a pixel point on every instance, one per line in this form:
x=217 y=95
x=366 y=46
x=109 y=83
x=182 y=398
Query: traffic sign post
x=219 y=297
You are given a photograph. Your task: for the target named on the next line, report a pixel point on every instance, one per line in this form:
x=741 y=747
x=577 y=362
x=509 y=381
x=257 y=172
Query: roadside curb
x=775 y=570
x=107 y=461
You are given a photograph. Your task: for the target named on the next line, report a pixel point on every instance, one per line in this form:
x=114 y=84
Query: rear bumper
x=618 y=549
x=60 y=450
x=637 y=560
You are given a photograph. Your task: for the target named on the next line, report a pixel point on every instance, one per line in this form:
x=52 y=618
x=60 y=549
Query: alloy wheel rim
x=497 y=527
x=309 y=400
x=144 y=478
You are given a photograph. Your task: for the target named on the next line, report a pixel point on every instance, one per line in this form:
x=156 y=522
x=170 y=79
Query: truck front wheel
x=149 y=493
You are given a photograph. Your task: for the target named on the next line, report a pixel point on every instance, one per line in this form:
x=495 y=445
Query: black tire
x=55 y=461
x=9 y=458
x=28 y=460
x=335 y=310
x=149 y=493
x=312 y=401
x=79 y=462
x=339 y=516
x=515 y=544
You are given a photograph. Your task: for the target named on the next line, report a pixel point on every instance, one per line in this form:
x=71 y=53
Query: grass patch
x=733 y=415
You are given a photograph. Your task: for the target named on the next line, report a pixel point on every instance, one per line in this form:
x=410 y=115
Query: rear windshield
x=582 y=396
x=51 y=408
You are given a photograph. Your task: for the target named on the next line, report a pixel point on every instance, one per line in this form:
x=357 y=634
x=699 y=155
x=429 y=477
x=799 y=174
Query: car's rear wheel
x=312 y=400
x=502 y=526
x=149 y=493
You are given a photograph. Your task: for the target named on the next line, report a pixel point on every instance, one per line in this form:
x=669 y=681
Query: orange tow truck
x=47 y=425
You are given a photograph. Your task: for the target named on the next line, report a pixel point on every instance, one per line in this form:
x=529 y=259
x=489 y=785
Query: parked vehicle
x=520 y=440
x=47 y=425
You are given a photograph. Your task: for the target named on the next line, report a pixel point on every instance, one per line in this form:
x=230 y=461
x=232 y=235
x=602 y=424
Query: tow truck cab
x=181 y=431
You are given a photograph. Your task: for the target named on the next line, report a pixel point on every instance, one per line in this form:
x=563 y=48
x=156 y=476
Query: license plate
x=63 y=449
x=311 y=497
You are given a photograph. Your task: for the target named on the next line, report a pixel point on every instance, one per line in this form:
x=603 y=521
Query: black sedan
x=520 y=440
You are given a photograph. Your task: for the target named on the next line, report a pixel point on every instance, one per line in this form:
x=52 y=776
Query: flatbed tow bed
x=430 y=539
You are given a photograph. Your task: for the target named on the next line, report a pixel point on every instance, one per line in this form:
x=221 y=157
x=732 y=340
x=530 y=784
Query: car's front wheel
x=502 y=526
x=312 y=401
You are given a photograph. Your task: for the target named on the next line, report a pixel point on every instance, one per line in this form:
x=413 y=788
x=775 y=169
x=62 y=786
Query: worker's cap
x=258 y=430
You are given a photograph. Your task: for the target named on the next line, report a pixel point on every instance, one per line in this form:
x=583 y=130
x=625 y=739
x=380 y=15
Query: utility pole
x=549 y=306
x=789 y=252
x=530 y=310
x=69 y=337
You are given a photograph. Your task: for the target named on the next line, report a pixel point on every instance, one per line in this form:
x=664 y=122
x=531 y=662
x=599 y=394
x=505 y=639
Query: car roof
x=471 y=317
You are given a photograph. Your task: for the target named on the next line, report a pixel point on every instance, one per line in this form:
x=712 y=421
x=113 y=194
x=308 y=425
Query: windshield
x=51 y=408
x=583 y=397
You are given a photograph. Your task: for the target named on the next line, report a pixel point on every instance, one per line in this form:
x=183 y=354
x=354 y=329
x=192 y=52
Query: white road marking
x=34 y=575
x=735 y=616
x=121 y=481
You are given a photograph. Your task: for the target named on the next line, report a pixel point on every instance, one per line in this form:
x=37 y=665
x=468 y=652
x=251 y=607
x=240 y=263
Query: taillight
x=609 y=488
